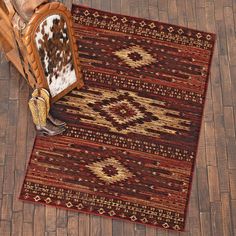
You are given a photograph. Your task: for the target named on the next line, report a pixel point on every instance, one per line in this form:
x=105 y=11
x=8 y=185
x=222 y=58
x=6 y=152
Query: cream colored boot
x=38 y=110
x=43 y=93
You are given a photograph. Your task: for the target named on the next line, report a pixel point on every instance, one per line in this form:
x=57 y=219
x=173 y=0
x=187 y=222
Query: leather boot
x=56 y=121
x=38 y=109
x=41 y=92
x=49 y=129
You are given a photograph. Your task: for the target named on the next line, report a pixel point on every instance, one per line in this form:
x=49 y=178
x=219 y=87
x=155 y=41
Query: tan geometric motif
x=135 y=56
x=168 y=120
x=124 y=109
x=37 y=198
x=69 y=204
x=110 y=170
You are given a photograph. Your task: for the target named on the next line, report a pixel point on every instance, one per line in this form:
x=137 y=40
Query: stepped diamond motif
x=135 y=56
x=110 y=170
x=123 y=111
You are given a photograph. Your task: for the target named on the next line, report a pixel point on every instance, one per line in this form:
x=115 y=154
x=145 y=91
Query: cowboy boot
x=38 y=109
x=41 y=92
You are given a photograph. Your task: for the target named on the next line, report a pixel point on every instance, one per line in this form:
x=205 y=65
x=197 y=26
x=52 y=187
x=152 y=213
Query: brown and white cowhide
x=53 y=45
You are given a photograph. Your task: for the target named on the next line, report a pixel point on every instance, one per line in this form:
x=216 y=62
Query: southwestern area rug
x=130 y=147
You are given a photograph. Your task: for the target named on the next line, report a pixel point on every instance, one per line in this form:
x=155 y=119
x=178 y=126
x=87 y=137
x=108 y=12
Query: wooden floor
x=212 y=209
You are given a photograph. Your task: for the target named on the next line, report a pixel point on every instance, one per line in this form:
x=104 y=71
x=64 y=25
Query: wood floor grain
x=212 y=208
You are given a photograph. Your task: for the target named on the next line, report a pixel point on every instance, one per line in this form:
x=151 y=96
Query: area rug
x=131 y=142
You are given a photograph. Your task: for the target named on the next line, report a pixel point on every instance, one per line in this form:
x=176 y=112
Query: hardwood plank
x=17 y=223
x=28 y=211
x=106 y=5
x=210 y=147
x=140 y=230
x=151 y=231
x=133 y=9
x=232 y=177
x=161 y=232
x=226 y=214
x=200 y=3
x=8 y=183
x=173 y=233
x=73 y=224
x=68 y=3
x=3 y=127
x=4 y=92
x=95 y=225
x=210 y=16
x=5 y=228
x=230 y=136
x=231 y=150
x=229 y=122
x=232 y=72
x=226 y=81
x=143 y=9
x=213 y=179
x=153 y=10
x=172 y=12
x=230 y=34
x=209 y=133
x=115 y=6
x=219 y=15
x=81 y=2
x=163 y=16
x=61 y=231
x=128 y=229
x=4 y=67
x=216 y=219
x=11 y=128
x=6 y=211
x=84 y=224
x=211 y=155
x=221 y=153
x=50 y=218
x=162 y=5
x=106 y=225
x=201 y=18
x=50 y=233
x=216 y=89
x=14 y=83
x=233 y=210
x=201 y=156
x=220 y=25
x=118 y=228
x=18 y=180
x=181 y=13
x=1 y=180
x=203 y=193
x=39 y=220
x=96 y=4
x=193 y=211
x=190 y=12
x=205 y=220
x=27 y=229
x=61 y=218
x=21 y=138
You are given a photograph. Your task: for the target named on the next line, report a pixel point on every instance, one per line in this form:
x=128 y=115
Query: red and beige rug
x=130 y=147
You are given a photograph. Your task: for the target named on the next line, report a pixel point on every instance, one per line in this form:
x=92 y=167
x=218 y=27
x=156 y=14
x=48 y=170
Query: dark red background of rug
x=130 y=147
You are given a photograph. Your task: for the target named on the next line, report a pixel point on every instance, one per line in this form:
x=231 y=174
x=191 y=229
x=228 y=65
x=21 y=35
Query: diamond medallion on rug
x=135 y=56
x=123 y=111
x=132 y=131
x=110 y=170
